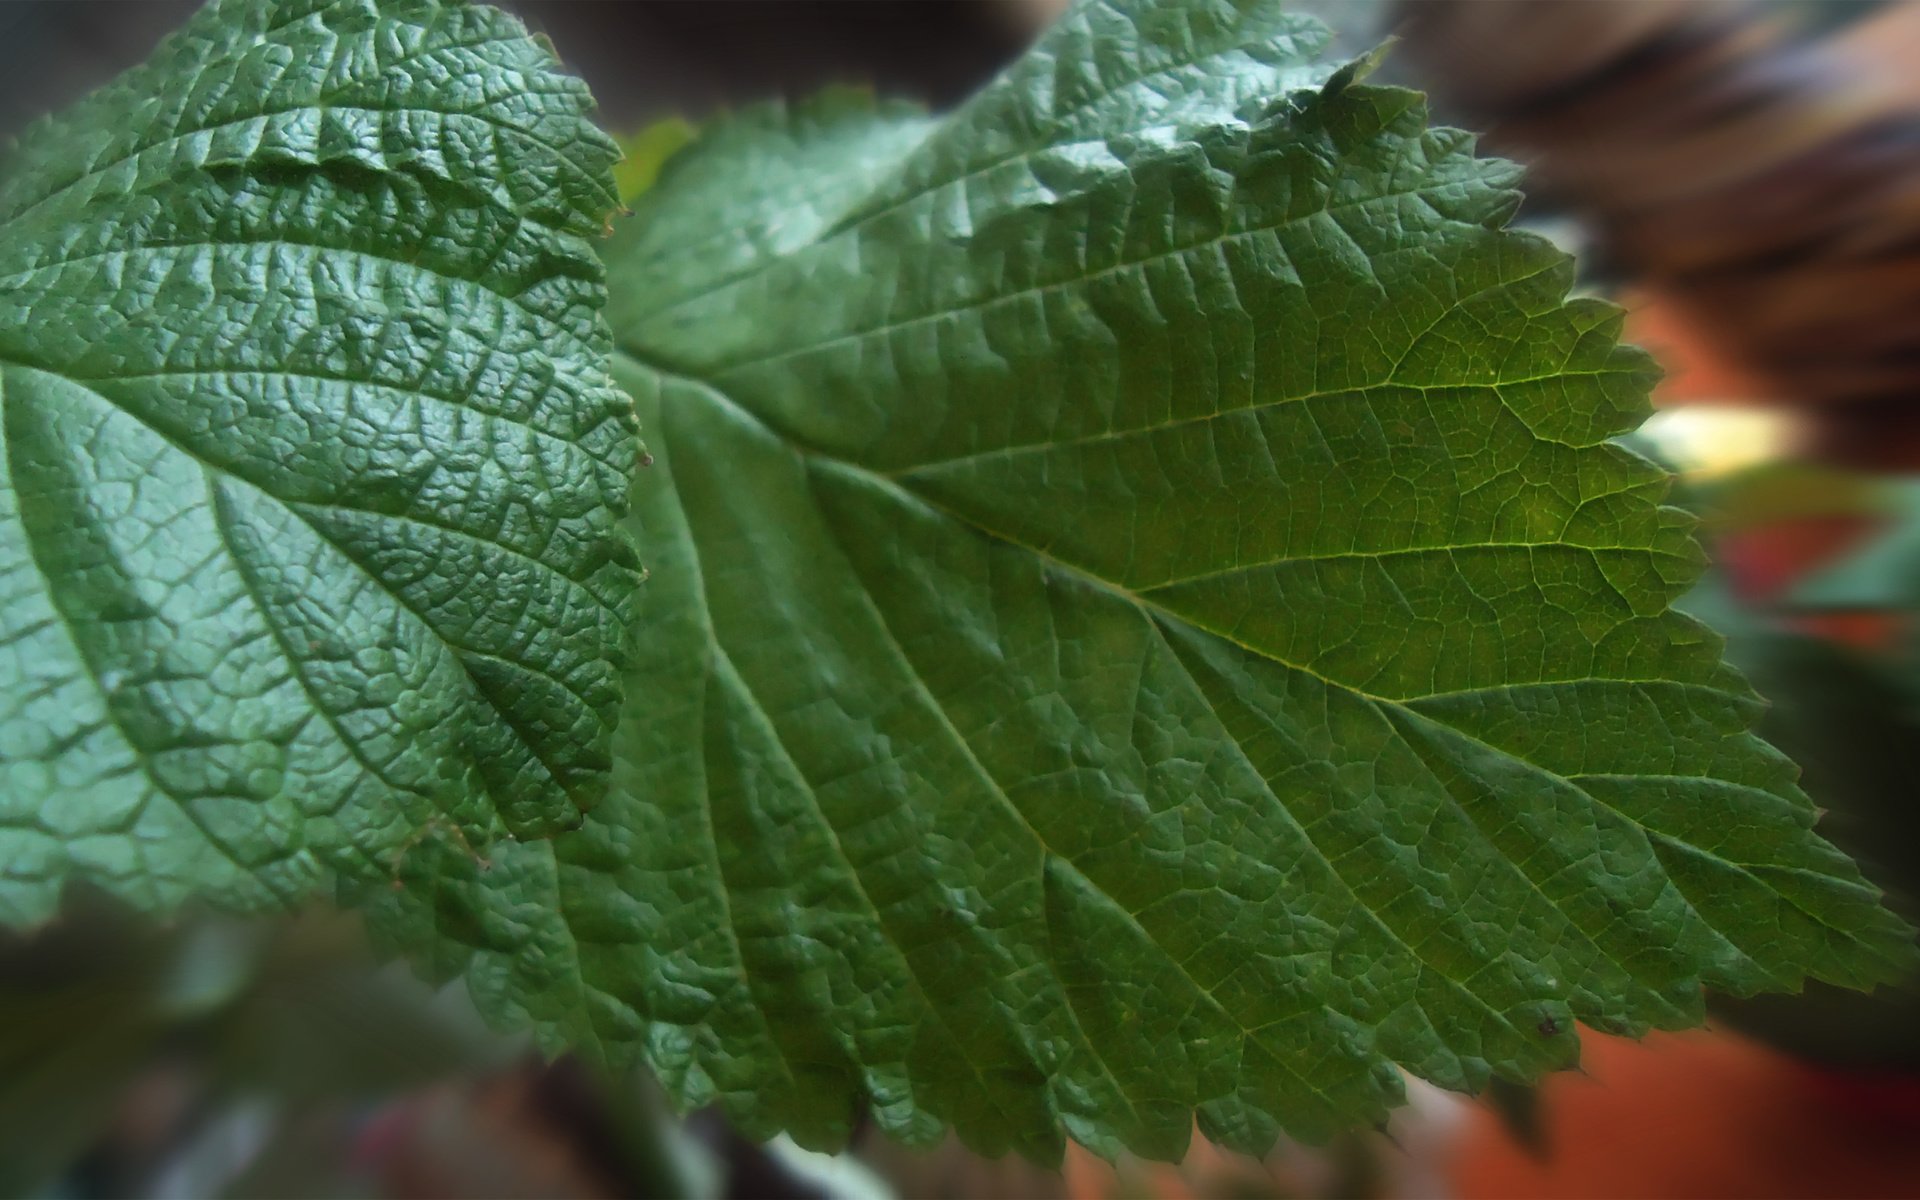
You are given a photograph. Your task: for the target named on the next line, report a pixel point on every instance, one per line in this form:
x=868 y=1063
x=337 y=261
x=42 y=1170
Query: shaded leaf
x=311 y=464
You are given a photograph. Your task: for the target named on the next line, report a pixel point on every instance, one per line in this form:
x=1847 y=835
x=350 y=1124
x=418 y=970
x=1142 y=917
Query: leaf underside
x=310 y=465
x=1145 y=621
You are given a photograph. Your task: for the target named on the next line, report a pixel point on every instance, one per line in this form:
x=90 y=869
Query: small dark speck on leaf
x=1548 y=1027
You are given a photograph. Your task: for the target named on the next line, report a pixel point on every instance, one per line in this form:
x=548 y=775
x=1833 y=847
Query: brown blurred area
x=1756 y=178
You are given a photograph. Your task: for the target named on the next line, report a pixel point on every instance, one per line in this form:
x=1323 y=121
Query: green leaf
x=1145 y=620
x=310 y=465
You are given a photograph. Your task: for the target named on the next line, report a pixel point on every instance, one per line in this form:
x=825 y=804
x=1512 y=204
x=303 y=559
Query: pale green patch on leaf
x=310 y=465
x=1145 y=619
x=645 y=151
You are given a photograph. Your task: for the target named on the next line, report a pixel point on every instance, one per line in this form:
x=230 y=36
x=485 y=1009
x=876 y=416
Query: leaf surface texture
x=1145 y=620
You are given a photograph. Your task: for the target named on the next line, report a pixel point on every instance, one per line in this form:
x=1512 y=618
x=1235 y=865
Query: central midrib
x=900 y=486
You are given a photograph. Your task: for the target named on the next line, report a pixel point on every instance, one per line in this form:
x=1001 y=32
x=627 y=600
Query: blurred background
x=1743 y=176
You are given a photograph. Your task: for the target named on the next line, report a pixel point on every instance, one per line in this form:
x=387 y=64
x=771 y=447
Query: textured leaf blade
x=313 y=468
x=1171 y=633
